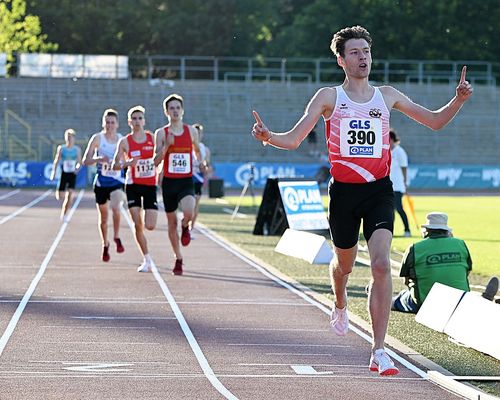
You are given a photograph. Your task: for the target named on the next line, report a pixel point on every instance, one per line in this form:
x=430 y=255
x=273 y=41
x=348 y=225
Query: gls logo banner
x=13 y=170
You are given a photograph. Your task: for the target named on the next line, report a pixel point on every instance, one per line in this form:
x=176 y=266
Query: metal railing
x=20 y=140
x=304 y=69
x=285 y=70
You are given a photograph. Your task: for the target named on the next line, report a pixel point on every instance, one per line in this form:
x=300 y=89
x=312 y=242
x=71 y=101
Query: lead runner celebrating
x=357 y=115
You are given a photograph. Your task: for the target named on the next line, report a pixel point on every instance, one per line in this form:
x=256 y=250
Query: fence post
x=183 y=69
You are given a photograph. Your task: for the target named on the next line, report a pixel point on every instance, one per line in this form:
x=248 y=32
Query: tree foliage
x=20 y=32
x=401 y=29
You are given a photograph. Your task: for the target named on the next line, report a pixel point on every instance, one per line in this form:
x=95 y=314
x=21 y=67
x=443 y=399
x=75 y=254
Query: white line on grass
x=195 y=347
x=29 y=205
x=24 y=301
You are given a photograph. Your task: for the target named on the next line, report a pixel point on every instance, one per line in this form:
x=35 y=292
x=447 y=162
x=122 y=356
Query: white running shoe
x=339 y=322
x=381 y=362
x=144 y=267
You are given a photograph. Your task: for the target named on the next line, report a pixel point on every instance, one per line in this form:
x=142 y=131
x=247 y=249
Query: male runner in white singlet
x=356 y=115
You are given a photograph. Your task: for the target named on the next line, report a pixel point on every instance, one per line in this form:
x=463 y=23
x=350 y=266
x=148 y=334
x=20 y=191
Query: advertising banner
x=303 y=206
x=33 y=174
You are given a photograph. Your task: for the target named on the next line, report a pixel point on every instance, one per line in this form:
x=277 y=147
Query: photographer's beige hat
x=437 y=220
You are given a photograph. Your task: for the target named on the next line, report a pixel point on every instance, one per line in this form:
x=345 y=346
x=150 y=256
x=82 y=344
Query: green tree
x=20 y=32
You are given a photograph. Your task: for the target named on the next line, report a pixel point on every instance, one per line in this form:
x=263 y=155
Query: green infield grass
x=474 y=219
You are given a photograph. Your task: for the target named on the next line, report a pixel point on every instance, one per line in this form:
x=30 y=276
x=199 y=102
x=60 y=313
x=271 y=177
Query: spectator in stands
x=201 y=170
x=174 y=145
x=357 y=128
x=439 y=257
x=69 y=156
x=135 y=152
x=108 y=184
x=399 y=166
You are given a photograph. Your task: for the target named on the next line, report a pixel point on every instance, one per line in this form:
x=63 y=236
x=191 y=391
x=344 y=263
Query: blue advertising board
x=303 y=205
x=33 y=174
x=467 y=177
x=235 y=175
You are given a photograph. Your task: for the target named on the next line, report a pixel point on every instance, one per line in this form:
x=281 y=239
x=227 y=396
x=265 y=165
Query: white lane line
x=94 y=343
x=104 y=367
x=10 y=194
x=24 y=301
x=85 y=302
x=97 y=351
x=205 y=366
x=100 y=361
x=45 y=375
x=22 y=209
x=36 y=374
x=353 y=378
x=208 y=233
x=272 y=329
x=250 y=303
x=231 y=212
x=300 y=354
x=195 y=347
x=287 y=345
x=122 y=318
x=94 y=327
x=309 y=370
x=288 y=364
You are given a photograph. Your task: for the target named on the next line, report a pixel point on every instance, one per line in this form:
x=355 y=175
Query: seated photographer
x=439 y=257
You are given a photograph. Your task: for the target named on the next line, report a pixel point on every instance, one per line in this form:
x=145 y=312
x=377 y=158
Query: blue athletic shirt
x=69 y=158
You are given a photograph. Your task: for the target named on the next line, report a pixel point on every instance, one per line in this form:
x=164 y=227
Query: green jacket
x=438 y=258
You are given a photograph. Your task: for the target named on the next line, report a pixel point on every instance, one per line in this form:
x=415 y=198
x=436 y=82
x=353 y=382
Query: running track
x=73 y=327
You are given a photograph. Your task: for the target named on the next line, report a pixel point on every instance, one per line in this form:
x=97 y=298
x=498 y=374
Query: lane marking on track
x=37 y=375
x=122 y=318
x=101 y=367
x=301 y=354
x=250 y=303
x=287 y=365
x=10 y=194
x=212 y=236
x=95 y=343
x=308 y=370
x=86 y=302
x=24 y=301
x=95 y=326
x=288 y=345
x=273 y=329
x=24 y=208
x=195 y=347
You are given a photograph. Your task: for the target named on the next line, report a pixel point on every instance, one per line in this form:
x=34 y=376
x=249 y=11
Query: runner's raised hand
x=464 y=89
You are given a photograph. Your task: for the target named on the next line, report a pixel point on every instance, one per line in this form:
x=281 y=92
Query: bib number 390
x=361 y=138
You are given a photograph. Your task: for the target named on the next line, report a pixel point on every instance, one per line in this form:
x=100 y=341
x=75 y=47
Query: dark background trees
x=403 y=29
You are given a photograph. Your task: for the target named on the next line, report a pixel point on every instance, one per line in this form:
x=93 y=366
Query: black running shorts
x=372 y=202
x=141 y=196
x=174 y=190
x=67 y=181
x=103 y=193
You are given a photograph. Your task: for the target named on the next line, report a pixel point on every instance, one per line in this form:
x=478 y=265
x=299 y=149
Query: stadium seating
x=52 y=105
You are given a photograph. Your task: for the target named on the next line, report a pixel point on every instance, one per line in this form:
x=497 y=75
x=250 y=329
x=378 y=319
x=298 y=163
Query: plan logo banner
x=303 y=206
